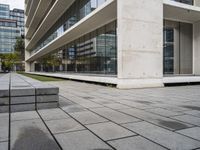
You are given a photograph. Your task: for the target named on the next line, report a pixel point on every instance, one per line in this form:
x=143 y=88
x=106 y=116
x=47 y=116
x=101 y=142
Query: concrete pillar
x=27 y=67
x=0 y=66
x=60 y=67
x=197 y=3
x=140 y=43
x=27 y=64
x=186 y=48
x=196 y=48
x=32 y=66
x=176 y=48
x=41 y=69
x=14 y=68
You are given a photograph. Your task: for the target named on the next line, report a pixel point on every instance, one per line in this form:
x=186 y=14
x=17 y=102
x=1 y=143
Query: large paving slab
x=94 y=117
x=31 y=135
x=22 y=91
x=4 y=126
x=53 y=114
x=188 y=119
x=22 y=107
x=135 y=143
x=109 y=131
x=87 y=117
x=164 y=112
x=195 y=113
x=157 y=119
x=63 y=125
x=163 y=137
x=115 y=116
x=191 y=132
x=116 y=106
x=3 y=145
x=21 y=116
x=4 y=101
x=4 y=90
x=81 y=140
x=26 y=94
x=23 y=100
x=74 y=108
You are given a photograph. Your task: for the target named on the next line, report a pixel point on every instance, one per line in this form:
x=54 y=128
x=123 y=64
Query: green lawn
x=40 y=78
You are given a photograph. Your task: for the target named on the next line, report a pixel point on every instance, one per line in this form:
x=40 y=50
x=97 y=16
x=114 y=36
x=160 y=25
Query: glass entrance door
x=177 y=48
x=168 y=51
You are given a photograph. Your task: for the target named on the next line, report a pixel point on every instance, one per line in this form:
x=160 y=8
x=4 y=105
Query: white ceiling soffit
x=181 y=12
x=99 y=17
x=57 y=10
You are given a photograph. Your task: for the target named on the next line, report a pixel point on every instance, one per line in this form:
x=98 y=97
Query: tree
x=51 y=61
x=8 y=61
x=20 y=48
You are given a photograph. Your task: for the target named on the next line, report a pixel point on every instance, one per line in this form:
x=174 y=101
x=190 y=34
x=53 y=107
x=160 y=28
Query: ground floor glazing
x=96 y=52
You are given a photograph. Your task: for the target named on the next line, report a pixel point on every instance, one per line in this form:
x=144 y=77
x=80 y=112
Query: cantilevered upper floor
x=62 y=18
x=130 y=30
x=44 y=18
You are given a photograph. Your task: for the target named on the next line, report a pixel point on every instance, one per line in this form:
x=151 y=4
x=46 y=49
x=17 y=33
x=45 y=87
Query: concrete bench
x=23 y=94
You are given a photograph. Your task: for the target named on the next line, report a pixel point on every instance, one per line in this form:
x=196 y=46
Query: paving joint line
x=116 y=124
x=89 y=129
x=121 y=138
x=9 y=123
x=151 y=122
x=70 y=131
x=133 y=131
x=45 y=122
x=147 y=111
x=41 y=116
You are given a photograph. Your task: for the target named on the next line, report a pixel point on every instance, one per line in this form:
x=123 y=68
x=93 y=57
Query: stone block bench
x=22 y=93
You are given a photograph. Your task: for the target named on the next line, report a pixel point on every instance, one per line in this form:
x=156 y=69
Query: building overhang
x=181 y=12
x=57 y=10
x=88 y=24
x=31 y=11
x=38 y=14
x=28 y=4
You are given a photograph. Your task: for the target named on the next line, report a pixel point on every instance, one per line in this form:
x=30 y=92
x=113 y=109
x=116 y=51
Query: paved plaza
x=95 y=117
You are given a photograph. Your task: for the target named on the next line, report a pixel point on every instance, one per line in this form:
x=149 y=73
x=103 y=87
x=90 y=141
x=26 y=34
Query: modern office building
x=4 y=11
x=18 y=15
x=11 y=27
x=130 y=43
x=8 y=34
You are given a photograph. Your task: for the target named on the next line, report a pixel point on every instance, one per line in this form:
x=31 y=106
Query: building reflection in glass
x=94 y=53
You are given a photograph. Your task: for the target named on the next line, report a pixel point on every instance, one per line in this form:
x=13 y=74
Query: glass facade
x=4 y=11
x=11 y=27
x=94 y=53
x=18 y=15
x=177 y=48
x=168 y=61
x=77 y=11
x=8 y=34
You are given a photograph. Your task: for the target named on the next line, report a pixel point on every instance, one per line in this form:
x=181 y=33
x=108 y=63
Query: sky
x=14 y=3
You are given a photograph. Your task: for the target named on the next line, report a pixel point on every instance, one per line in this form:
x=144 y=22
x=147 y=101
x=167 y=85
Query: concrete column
x=197 y=3
x=65 y=67
x=61 y=67
x=0 y=65
x=176 y=48
x=196 y=48
x=27 y=64
x=32 y=66
x=186 y=48
x=41 y=69
x=140 y=43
